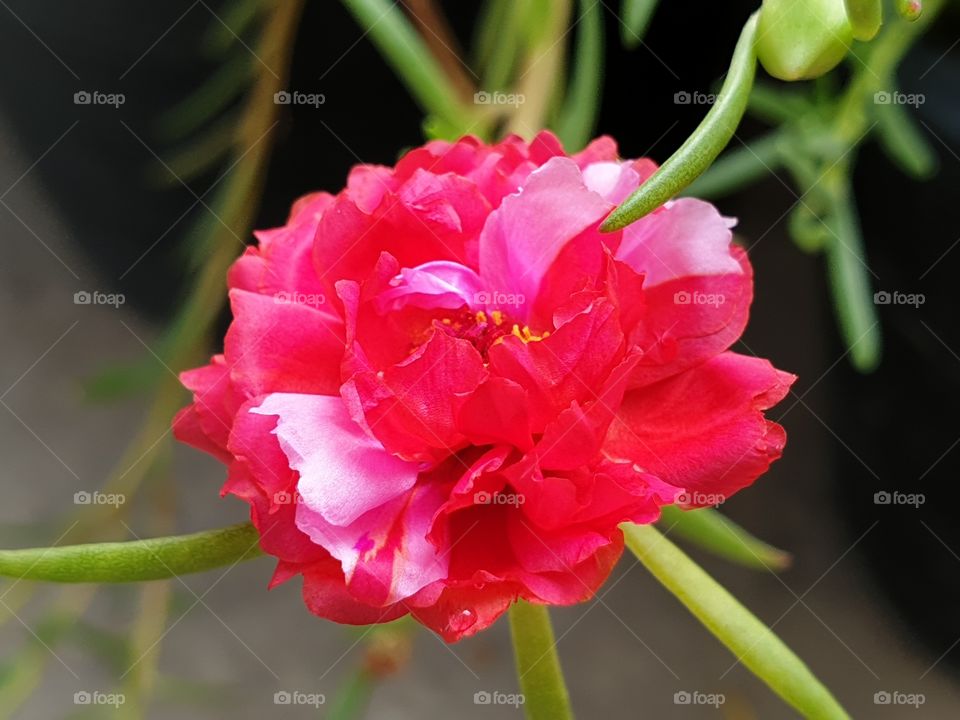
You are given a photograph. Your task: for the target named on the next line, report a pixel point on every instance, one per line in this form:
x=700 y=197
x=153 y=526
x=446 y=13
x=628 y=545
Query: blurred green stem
x=538 y=667
x=752 y=642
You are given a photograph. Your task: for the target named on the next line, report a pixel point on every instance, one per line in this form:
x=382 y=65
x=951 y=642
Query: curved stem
x=702 y=147
x=133 y=561
x=538 y=667
x=753 y=643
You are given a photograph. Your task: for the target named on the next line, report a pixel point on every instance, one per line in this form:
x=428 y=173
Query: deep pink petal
x=704 y=429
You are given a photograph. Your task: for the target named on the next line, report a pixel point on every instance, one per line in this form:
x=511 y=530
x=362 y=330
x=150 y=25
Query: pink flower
x=443 y=388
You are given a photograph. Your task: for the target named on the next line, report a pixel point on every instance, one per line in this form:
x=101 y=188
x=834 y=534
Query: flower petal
x=344 y=472
x=704 y=429
x=526 y=233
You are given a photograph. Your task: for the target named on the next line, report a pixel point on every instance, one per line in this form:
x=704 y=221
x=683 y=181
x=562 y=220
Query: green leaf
x=904 y=143
x=703 y=146
x=711 y=531
x=752 y=642
x=578 y=118
x=410 y=58
x=636 y=17
x=231 y=79
x=852 y=295
x=233 y=20
x=538 y=667
x=133 y=561
x=777 y=104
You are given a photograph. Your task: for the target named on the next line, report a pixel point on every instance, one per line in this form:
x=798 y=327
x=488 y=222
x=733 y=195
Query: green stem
x=702 y=147
x=133 y=561
x=719 y=535
x=538 y=667
x=753 y=643
x=410 y=58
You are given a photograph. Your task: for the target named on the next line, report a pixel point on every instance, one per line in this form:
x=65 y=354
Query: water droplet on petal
x=463 y=620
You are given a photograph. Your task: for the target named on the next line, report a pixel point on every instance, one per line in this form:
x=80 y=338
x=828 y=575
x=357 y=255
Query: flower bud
x=909 y=9
x=802 y=39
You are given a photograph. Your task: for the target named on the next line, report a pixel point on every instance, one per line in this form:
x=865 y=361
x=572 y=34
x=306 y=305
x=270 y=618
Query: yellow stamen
x=526 y=335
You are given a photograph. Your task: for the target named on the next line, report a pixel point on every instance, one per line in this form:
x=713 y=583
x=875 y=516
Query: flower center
x=483 y=329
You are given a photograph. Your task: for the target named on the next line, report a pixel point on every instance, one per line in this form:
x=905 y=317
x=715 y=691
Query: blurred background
x=149 y=195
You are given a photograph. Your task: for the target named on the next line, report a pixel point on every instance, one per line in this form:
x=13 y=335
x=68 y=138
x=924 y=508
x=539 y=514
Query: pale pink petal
x=344 y=472
x=523 y=237
x=686 y=237
x=438 y=284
